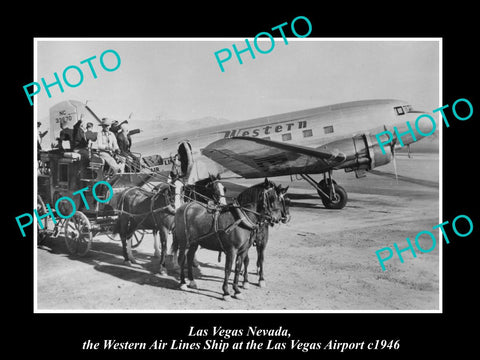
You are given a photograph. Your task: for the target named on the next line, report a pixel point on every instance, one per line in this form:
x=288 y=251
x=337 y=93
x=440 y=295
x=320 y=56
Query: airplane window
x=287 y=136
x=399 y=110
x=307 y=133
x=328 y=129
x=266 y=138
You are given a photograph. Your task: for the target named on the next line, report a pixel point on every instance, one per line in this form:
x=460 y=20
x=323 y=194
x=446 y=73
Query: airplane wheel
x=340 y=198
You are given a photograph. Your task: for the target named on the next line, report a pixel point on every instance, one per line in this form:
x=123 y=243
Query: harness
x=166 y=209
x=238 y=212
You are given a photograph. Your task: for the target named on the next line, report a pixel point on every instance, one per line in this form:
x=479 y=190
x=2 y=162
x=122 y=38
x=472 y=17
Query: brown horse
x=154 y=210
x=261 y=239
x=229 y=228
x=142 y=209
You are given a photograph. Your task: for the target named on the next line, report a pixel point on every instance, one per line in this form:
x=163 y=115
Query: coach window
x=63 y=172
x=399 y=110
x=307 y=133
x=328 y=129
x=287 y=136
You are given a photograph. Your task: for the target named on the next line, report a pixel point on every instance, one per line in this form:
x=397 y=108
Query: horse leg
x=156 y=248
x=127 y=250
x=246 y=261
x=163 y=240
x=238 y=267
x=230 y=255
x=190 y=258
x=124 y=248
x=174 y=250
x=181 y=261
x=260 y=258
x=261 y=246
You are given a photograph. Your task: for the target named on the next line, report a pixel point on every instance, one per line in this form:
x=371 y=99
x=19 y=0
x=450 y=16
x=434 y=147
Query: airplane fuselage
x=318 y=127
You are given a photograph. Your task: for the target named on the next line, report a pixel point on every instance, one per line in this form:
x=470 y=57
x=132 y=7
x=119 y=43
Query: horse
x=142 y=209
x=261 y=239
x=229 y=228
x=204 y=190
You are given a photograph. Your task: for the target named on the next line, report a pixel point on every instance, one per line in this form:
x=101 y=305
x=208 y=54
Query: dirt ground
x=321 y=260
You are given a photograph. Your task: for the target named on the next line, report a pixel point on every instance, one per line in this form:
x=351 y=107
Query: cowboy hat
x=106 y=121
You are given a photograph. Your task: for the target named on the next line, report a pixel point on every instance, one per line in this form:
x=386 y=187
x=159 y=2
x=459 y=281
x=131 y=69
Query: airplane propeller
x=394 y=159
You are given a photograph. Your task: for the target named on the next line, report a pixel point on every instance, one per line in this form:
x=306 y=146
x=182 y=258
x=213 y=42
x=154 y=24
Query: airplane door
x=186 y=158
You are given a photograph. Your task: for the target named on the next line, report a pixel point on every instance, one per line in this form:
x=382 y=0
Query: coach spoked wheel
x=137 y=237
x=42 y=209
x=339 y=199
x=78 y=234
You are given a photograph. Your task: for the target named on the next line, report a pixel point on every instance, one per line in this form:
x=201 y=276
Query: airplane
x=306 y=142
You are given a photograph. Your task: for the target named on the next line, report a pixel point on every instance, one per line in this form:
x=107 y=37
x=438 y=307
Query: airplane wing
x=253 y=157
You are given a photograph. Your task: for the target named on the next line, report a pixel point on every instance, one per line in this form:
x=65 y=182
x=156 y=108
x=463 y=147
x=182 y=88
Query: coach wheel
x=78 y=234
x=42 y=209
x=137 y=238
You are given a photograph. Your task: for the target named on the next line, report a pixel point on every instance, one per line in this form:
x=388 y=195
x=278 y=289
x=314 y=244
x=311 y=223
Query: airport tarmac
x=321 y=260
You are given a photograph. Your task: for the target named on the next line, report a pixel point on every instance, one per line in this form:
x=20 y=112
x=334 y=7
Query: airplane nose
x=426 y=124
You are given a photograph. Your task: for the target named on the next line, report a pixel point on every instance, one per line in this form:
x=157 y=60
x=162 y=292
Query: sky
x=180 y=79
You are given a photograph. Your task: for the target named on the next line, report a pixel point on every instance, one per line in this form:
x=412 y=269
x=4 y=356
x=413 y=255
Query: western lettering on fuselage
x=274 y=128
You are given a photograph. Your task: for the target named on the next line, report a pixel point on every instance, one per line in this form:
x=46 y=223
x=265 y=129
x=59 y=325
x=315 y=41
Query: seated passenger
x=90 y=135
x=65 y=140
x=80 y=143
x=40 y=135
x=124 y=141
x=107 y=146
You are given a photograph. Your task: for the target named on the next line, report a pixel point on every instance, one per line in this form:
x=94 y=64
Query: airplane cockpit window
x=399 y=110
x=410 y=109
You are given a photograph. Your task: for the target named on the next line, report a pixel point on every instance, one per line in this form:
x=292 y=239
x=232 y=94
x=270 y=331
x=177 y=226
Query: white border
x=120 y=311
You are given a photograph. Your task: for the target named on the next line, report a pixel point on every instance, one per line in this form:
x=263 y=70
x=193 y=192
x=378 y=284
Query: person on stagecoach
x=65 y=138
x=80 y=142
x=174 y=178
x=40 y=136
x=90 y=135
x=107 y=146
x=124 y=141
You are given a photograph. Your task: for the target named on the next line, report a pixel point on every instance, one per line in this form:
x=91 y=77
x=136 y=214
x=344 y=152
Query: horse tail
x=116 y=227
x=119 y=207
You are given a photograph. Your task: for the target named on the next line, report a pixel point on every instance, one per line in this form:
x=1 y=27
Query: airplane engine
x=362 y=152
x=377 y=157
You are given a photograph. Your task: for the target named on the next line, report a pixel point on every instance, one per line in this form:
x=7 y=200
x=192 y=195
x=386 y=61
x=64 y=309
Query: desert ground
x=321 y=260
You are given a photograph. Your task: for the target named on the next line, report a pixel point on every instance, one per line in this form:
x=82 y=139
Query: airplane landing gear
x=333 y=196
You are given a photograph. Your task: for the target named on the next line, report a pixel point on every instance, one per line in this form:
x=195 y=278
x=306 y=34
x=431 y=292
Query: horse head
x=216 y=188
x=275 y=204
x=285 y=201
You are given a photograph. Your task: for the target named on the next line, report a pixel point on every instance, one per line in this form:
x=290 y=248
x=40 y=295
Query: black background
x=58 y=335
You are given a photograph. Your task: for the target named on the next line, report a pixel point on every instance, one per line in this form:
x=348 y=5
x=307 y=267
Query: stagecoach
x=61 y=174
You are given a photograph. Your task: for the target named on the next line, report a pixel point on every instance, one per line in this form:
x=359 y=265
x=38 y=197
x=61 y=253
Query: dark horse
x=142 y=209
x=261 y=239
x=206 y=190
x=230 y=229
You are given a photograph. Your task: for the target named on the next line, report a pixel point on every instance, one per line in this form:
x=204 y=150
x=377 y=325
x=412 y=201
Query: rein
x=145 y=215
x=243 y=219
